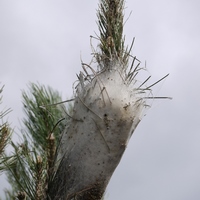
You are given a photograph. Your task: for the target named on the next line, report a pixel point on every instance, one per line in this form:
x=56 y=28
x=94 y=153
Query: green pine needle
x=110 y=22
x=40 y=117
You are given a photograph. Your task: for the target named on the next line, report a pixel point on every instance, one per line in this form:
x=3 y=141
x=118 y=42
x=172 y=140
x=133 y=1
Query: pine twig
x=4 y=137
x=110 y=21
x=39 y=189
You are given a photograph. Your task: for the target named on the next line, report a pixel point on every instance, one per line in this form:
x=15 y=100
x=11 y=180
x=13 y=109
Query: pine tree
x=68 y=154
x=30 y=164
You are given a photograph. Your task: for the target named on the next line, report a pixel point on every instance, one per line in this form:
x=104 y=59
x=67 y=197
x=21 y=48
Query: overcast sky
x=44 y=40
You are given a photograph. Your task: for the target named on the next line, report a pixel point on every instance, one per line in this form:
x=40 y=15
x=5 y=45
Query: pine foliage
x=110 y=22
x=31 y=162
x=42 y=115
x=108 y=105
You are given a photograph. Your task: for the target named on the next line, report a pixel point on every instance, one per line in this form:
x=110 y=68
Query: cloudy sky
x=43 y=41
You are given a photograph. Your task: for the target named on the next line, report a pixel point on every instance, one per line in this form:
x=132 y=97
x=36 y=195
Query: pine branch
x=40 y=115
x=108 y=102
x=110 y=22
x=51 y=153
x=4 y=137
x=40 y=187
x=31 y=164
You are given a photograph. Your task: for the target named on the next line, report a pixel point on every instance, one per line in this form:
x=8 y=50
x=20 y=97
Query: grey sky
x=44 y=40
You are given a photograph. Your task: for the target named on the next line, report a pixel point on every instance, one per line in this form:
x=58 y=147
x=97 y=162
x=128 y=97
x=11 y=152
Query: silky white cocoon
x=106 y=112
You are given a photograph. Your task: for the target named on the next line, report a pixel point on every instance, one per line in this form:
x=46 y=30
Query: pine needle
x=110 y=23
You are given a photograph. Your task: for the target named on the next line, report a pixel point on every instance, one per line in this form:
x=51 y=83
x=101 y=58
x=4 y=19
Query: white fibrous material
x=107 y=109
